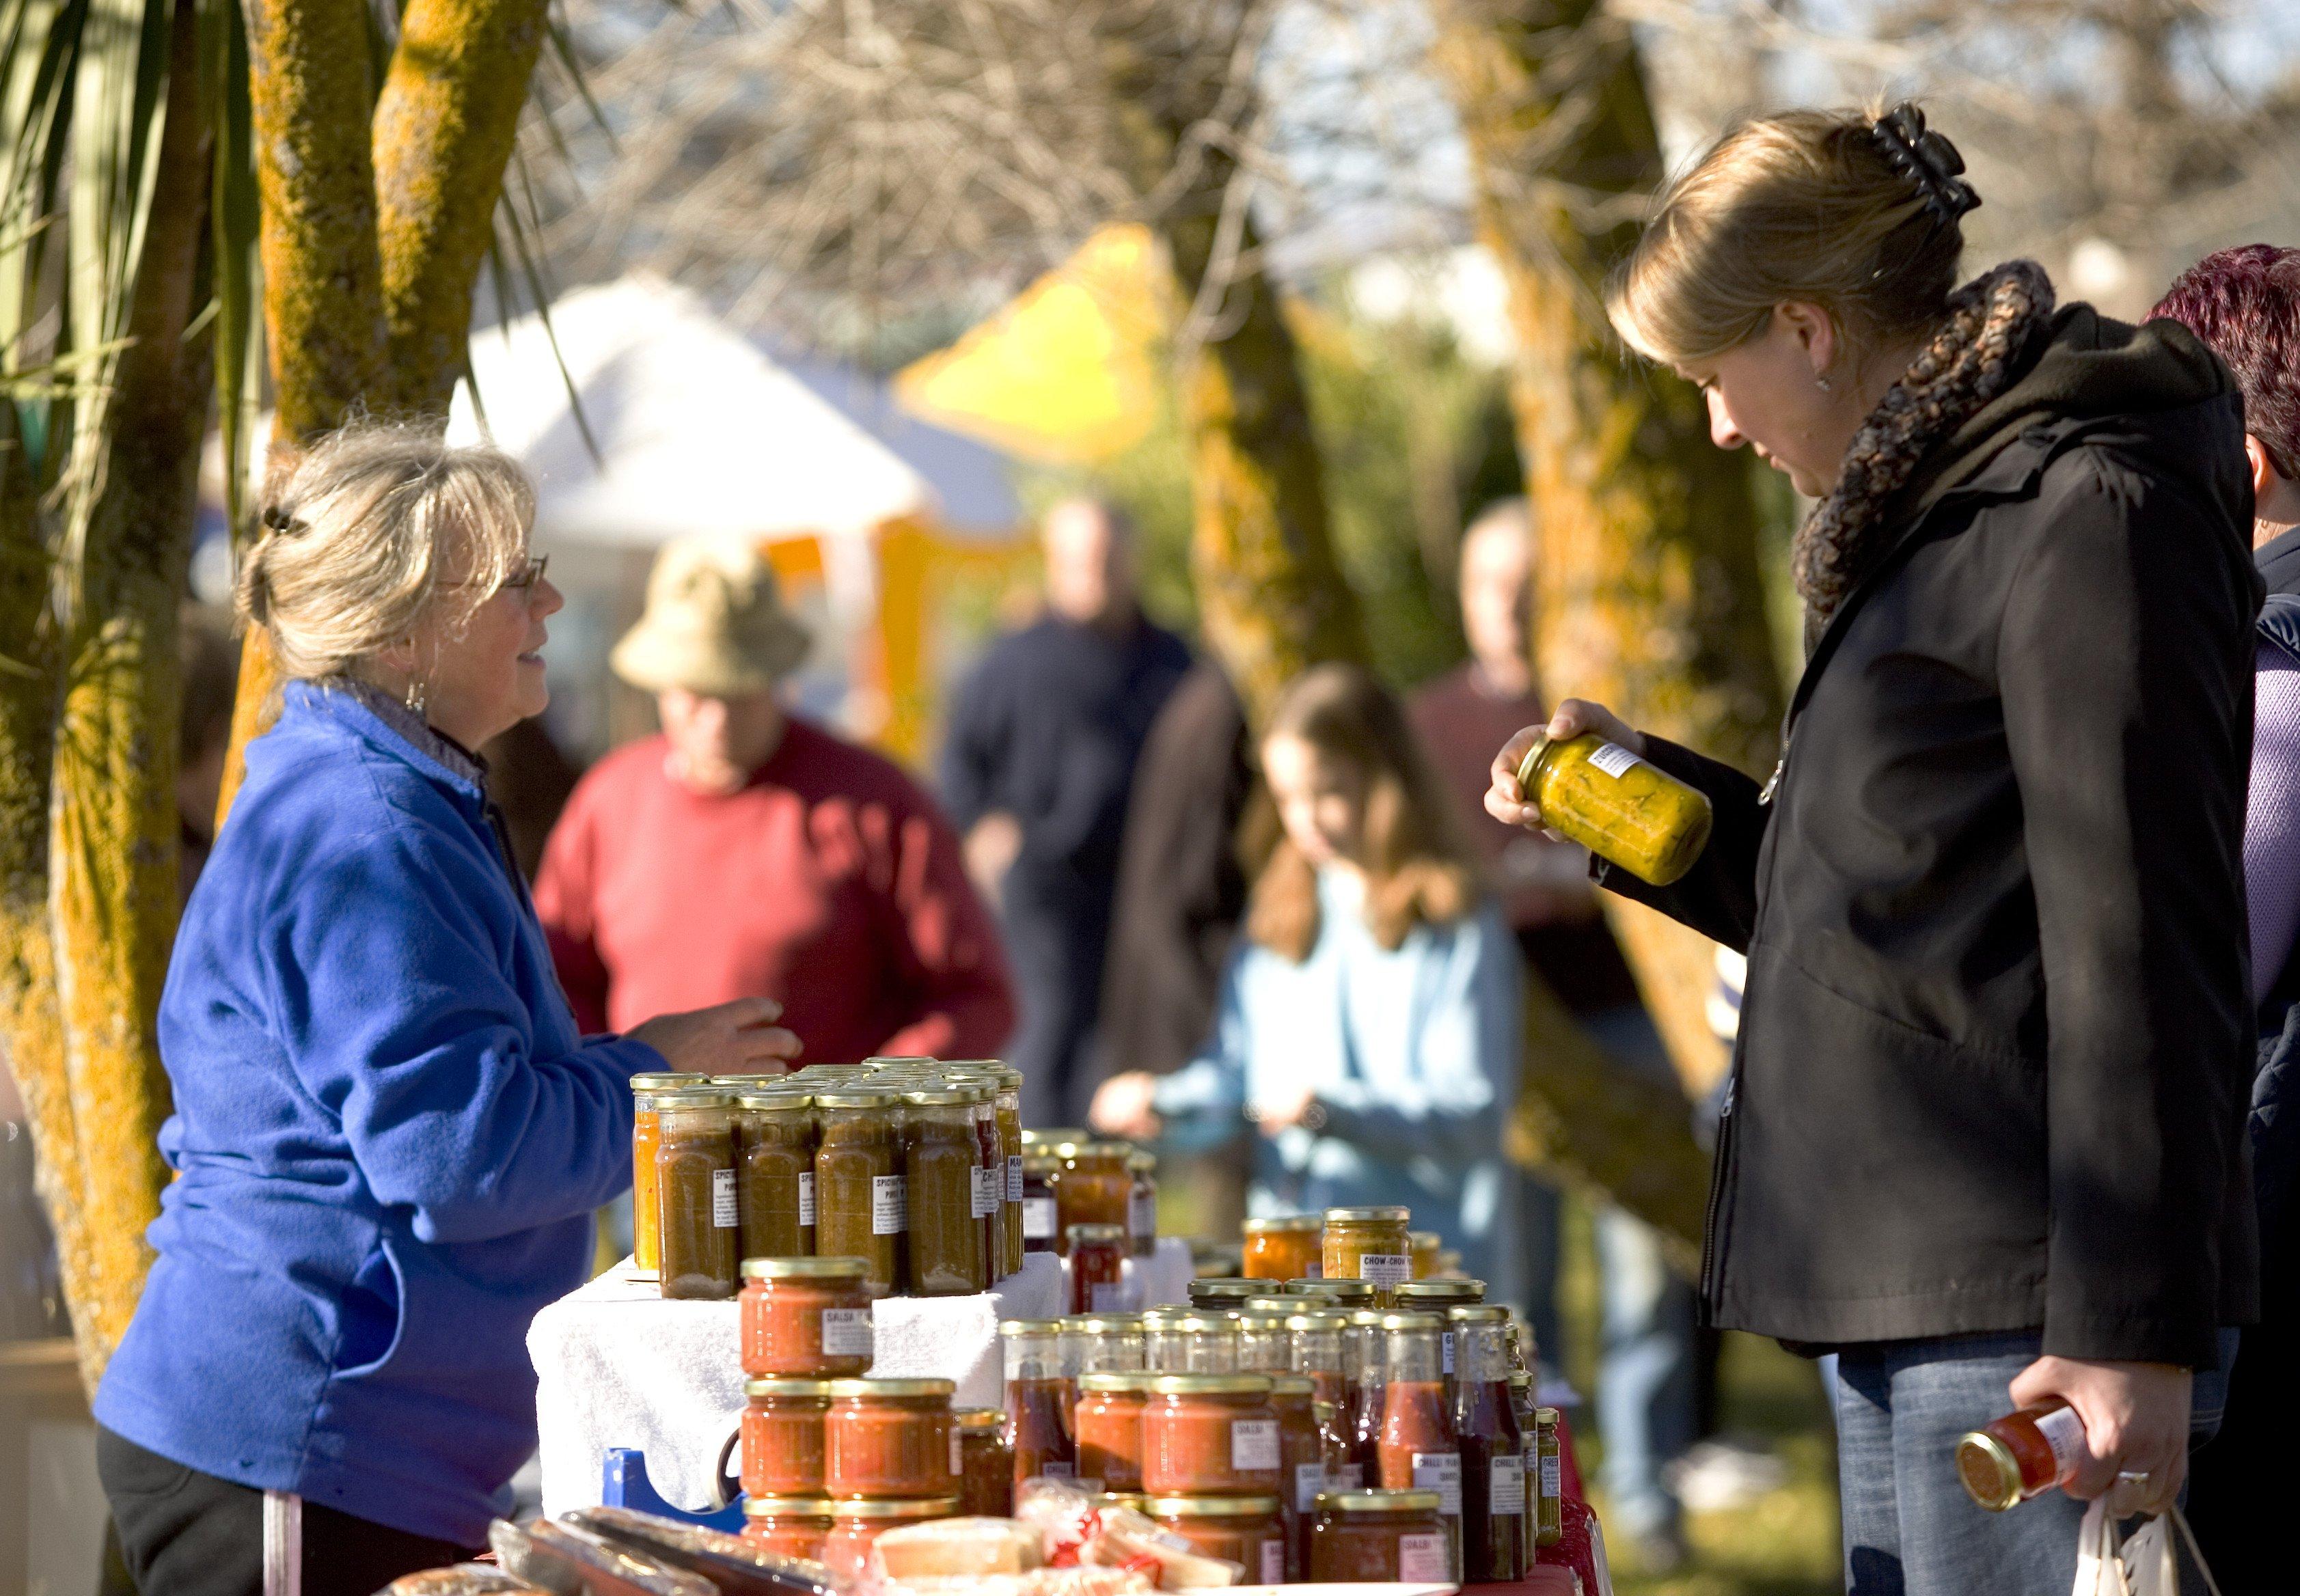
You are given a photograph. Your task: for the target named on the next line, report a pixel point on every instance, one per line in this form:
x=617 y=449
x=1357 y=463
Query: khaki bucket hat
x=714 y=623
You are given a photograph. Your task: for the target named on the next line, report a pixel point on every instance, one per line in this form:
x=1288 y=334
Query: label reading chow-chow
x=1385 y=1268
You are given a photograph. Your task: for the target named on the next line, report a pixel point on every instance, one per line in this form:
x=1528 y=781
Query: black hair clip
x=1927 y=159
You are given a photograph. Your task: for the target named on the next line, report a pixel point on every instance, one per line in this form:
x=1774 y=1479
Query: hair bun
x=1927 y=159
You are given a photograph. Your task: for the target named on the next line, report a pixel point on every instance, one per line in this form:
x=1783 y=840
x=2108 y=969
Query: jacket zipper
x=1713 y=1243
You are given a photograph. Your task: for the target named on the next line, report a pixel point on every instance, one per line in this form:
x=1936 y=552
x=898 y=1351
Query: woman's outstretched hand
x=1121 y=1107
x=737 y=1038
x=1505 y=801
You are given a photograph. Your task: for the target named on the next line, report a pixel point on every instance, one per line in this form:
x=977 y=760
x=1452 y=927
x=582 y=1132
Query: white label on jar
x=846 y=1332
x=2065 y=1432
x=1039 y=1218
x=1614 y=760
x=1273 y=1562
x=1309 y=1480
x=1142 y=1216
x=1553 y=1477
x=1424 y=1560
x=1109 y=1297
x=984 y=1197
x=723 y=1200
x=1446 y=1354
x=807 y=1197
x=890 y=1205
x=957 y=1454
x=1440 y=1471
x=1253 y=1444
x=1052 y=1471
x=1385 y=1268
x=1014 y=1178
x=1505 y=1487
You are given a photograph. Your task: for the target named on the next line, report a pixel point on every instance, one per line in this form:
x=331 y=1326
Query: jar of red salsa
x=1038 y=1401
x=1367 y=1537
x=782 y=1436
x=1097 y=1255
x=1108 y=1427
x=806 y=1315
x=1285 y=1248
x=986 y=1478
x=890 y=1438
x=1420 y=1449
x=1244 y=1530
x=855 y=1527
x=1203 y=1434
x=789 y=1526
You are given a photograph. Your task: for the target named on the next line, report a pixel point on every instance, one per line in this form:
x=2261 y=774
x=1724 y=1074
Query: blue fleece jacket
x=390 y=1139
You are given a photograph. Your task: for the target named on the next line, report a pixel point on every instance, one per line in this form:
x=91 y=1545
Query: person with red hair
x=2245 y=302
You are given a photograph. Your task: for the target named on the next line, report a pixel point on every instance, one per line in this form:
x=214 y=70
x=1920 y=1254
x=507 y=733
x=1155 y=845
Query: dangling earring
x=1822 y=383
x=415 y=698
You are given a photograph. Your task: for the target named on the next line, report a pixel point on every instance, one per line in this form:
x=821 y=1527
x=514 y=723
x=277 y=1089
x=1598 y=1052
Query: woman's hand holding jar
x=1509 y=803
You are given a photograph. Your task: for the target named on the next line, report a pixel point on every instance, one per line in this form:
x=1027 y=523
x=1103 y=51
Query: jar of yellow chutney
x=1622 y=808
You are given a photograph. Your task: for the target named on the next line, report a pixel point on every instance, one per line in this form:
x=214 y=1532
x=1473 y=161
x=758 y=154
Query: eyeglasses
x=526 y=577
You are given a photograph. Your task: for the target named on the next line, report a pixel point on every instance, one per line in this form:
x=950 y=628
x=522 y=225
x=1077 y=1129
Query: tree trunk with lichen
x=1649 y=595
x=378 y=211
x=94 y=1082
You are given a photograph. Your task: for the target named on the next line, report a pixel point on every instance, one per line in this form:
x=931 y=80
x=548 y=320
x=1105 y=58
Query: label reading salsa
x=846 y=1332
x=1424 y=1560
x=1253 y=1444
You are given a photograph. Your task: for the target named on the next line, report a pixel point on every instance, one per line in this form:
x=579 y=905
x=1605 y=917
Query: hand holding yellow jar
x=1585 y=777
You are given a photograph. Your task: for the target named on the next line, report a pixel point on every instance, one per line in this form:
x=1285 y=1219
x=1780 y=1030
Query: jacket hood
x=2156 y=390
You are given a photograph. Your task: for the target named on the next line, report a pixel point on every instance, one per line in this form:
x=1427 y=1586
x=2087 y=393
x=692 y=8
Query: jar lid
x=1285 y=1223
x=1989 y=1470
x=1210 y=1386
x=933 y=1507
x=786 y=1386
x=1262 y=1319
x=806 y=1268
x=1277 y=1305
x=1103 y=1324
x=979 y=1418
x=778 y=1098
x=668 y=1081
x=1335 y=1291
x=786 y=1507
x=1030 y=1326
x=1202 y=1324
x=693 y=1097
x=1292 y=1386
x=1318 y=1321
x=1378 y=1501
x=853 y=1097
x=1545 y=1416
x=1227 y=1289
x=851 y=1389
x=880 y=1060
x=1120 y=1499
x=1520 y=1380
x=1439 y=1290
x=1213 y=1507
x=1425 y=1239
x=1532 y=758
x=1367 y=1216
x=1413 y=1321
x=1095 y=1233
x=1141 y=1163
x=1050 y=1139
x=1478 y=1313
x=1133 y=1381
x=935 y=1097
x=748 y=1078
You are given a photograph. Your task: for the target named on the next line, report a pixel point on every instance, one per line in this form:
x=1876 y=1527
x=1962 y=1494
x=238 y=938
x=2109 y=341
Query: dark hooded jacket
x=1998 y=1038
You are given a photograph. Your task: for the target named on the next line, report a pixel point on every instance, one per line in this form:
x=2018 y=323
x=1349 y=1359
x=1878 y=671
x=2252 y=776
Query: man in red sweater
x=745 y=852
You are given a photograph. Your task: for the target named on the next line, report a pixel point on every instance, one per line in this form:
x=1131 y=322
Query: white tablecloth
x=617 y=1365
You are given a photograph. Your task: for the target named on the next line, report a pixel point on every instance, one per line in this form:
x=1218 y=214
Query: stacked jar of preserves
x=1287 y=1247
x=1214 y=1465
x=1369 y=1244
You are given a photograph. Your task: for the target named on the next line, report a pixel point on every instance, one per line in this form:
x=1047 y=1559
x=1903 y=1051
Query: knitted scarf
x=1968 y=363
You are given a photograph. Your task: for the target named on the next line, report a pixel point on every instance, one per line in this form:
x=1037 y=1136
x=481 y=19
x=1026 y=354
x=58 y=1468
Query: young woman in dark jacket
x=1984 y=1135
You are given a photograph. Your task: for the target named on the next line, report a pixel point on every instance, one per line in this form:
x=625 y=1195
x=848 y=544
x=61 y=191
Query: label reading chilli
x=1505 y=1487
x=723 y=1200
x=1253 y=1444
x=986 y=1193
x=1424 y=1560
x=1440 y=1471
x=1385 y=1268
x=807 y=1197
x=890 y=1205
x=847 y=1332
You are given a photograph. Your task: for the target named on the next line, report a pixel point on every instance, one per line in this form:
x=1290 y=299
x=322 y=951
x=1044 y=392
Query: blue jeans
x=1909 y=1529
x=1644 y=1355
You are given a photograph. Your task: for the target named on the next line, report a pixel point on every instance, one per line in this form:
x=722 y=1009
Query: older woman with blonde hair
x=388 y=1134
x=1984 y=1132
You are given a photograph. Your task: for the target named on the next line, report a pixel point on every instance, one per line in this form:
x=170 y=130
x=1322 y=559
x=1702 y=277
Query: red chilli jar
x=1242 y=1529
x=1108 y=1428
x=806 y=1315
x=855 y=1527
x=1362 y=1537
x=891 y=1439
x=789 y=1526
x=783 y=1437
x=1208 y=1435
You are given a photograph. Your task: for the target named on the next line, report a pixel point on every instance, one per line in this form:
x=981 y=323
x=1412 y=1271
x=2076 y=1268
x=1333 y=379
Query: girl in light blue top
x=1369 y=1027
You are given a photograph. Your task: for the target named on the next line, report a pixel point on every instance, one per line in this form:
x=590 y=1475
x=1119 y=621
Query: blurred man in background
x=1644 y=1369
x=1038 y=761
